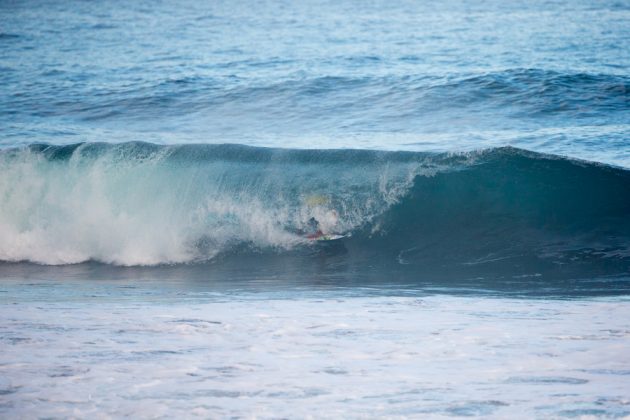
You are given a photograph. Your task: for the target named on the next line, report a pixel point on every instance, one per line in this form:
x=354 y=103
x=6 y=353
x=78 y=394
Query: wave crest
x=145 y=204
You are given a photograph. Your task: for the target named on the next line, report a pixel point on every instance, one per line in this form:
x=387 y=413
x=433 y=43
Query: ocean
x=162 y=165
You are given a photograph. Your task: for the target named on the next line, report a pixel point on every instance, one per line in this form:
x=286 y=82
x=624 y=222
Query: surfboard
x=327 y=238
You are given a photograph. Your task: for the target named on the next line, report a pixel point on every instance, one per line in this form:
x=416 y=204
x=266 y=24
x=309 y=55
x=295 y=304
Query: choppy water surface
x=128 y=348
x=549 y=76
x=160 y=163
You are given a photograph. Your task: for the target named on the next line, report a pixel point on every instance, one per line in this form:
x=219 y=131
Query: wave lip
x=144 y=204
x=481 y=213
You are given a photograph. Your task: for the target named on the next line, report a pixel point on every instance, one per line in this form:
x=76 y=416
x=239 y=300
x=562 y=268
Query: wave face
x=478 y=213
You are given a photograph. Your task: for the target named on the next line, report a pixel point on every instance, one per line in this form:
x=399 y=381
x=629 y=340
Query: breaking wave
x=146 y=204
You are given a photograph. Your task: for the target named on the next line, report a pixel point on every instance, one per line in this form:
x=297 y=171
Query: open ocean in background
x=158 y=161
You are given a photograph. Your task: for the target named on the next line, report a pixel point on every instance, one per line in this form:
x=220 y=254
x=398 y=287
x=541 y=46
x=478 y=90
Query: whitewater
x=162 y=163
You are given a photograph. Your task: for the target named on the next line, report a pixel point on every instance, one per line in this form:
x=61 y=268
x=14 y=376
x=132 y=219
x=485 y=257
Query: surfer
x=315 y=229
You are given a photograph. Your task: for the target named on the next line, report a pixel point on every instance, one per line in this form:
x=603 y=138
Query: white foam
x=117 y=206
x=323 y=356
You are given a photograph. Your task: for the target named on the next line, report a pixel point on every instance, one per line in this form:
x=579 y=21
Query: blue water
x=502 y=213
x=548 y=76
x=160 y=164
x=464 y=88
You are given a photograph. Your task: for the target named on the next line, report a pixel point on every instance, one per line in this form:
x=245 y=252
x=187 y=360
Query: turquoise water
x=495 y=214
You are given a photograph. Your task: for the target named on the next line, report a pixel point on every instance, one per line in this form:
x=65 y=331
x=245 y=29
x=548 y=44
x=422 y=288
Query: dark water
x=501 y=215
